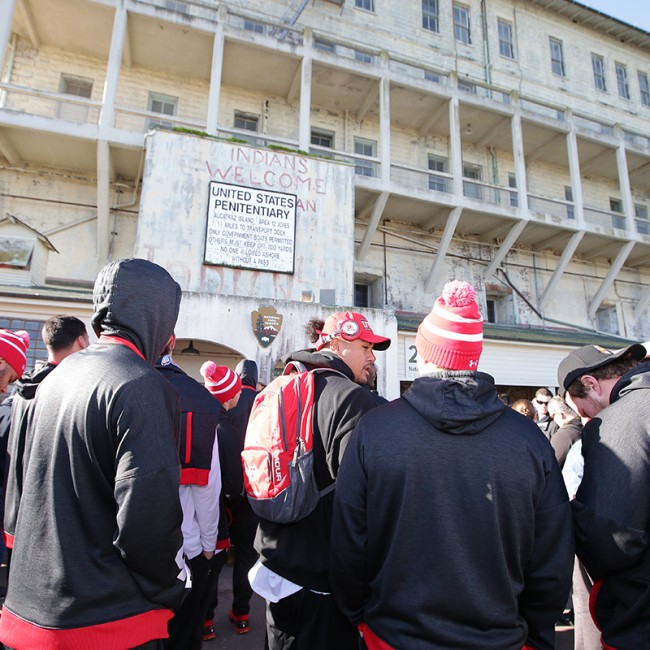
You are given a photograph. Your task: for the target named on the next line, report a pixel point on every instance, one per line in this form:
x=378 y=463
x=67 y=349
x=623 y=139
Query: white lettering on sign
x=250 y=228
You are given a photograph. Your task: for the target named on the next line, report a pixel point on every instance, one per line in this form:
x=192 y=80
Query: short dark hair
x=60 y=332
x=313 y=329
x=616 y=368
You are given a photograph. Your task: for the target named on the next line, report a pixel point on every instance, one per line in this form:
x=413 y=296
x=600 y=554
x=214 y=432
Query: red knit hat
x=13 y=349
x=451 y=336
x=221 y=381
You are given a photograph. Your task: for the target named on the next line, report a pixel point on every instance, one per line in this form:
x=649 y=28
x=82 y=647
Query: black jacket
x=22 y=402
x=97 y=554
x=300 y=551
x=452 y=526
x=612 y=512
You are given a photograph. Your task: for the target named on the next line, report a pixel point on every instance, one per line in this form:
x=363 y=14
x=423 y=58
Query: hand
x=208 y=555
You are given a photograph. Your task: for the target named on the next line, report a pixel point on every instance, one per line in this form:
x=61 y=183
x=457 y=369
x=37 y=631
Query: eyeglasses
x=542 y=403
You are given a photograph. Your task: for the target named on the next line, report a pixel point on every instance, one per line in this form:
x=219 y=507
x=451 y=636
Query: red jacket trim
x=194 y=476
x=372 y=641
x=223 y=544
x=8 y=539
x=188 y=437
x=104 y=338
x=116 y=635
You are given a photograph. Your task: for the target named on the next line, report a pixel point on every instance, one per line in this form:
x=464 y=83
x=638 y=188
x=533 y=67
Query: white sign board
x=250 y=228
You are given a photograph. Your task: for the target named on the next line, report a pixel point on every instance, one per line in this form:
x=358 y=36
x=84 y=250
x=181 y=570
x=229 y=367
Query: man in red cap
x=13 y=356
x=451 y=525
x=293 y=571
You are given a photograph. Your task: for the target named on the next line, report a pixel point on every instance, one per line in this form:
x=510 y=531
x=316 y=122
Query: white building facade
x=286 y=158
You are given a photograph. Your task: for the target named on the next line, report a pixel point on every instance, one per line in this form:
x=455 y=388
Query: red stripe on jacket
x=116 y=635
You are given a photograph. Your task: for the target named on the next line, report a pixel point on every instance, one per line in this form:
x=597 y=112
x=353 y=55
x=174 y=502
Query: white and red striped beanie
x=13 y=349
x=451 y=336
x=221 y=381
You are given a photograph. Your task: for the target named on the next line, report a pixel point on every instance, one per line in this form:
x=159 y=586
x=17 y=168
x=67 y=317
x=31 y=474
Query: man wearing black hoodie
x=293 y=571
x=97 y=560
x=451 y=525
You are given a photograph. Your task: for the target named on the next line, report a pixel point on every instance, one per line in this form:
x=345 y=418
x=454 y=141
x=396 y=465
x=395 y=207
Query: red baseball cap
x=349 y=326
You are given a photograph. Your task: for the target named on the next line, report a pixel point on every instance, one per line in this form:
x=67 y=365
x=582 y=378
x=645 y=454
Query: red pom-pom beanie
x=221 y=381
x=13 y=349
x=451 y=336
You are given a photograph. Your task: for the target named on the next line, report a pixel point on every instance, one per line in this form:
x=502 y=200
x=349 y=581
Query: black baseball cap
x=589 y=357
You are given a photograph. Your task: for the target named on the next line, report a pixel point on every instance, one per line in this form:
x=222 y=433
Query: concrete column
x=624 y=181
x=455 y=146
x=384 y=119
x=520 y=160
x=574 y=171
x=304 y=130
x=7 y=8
x=103 y=202
x=113 y=71
x=214 y=95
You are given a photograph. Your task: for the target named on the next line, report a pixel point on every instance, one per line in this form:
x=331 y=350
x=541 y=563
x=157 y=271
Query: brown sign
x=266 y=324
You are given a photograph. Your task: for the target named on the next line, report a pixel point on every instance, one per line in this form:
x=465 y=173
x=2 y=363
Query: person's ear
x=589 y=381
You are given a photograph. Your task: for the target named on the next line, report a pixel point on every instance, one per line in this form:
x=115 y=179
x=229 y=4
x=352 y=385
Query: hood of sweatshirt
x=247 y=370
x=26 y=386
x=138 y=301
x=456 y=402
x=636 y=379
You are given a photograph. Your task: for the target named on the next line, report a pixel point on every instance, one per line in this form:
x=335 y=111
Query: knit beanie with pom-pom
x=221 y=381
x=451 y=336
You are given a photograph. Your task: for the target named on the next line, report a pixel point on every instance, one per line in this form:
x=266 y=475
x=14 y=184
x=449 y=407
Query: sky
x=634 y=12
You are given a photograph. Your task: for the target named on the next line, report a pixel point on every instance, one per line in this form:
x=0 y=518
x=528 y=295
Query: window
x=568 y=196
x=598 y=66
x=368 y=148
x=506 y=47
x=322 y=138
x=557 y=58
x=514 y=197
x=621 y=81
x=253 y=26
x=368 y=5
x=607 y=319
x=474 y=172
x=163 y=104
x=438 y=164
x=616 y=206
x=77 y=87
x=644 y=88
x=432 y=76
x=246 y=121
x=500 y=305
x=467 y=86
x=363 y=56
x=461 y=25
x=36 y=350
x=179 y=7
x=641 y=214
x=361 y=295
x=430 y=15
x=324 y=46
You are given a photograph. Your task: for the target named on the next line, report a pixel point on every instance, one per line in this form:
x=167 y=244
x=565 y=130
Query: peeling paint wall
x=177 y=175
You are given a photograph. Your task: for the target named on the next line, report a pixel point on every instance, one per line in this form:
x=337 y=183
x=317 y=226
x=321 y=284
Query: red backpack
x=278 y=457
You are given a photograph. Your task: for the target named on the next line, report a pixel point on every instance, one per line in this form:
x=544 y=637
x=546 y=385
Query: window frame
x=244 y=117
x=622 y=80
x=164 y=100
x=644 y=88
x=366 y=5
x=600 y=81
x=557 y=57
x=507 y=43
x=437 y=163
x=322 y=133
x=462 y=32
x=365 y=167
x=431 y=17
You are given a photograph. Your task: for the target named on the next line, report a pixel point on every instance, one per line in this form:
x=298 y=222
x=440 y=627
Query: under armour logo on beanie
x=451 y=336
x=221 y=381
x=13 y=349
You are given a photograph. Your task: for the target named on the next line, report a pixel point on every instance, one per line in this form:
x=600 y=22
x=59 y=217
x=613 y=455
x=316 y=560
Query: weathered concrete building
x=282 y=157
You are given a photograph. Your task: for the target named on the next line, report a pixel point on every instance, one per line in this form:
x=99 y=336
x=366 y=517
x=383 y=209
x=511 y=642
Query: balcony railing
x=592 y=127
x=539 y=109
x=556 y=209
x=637 y=141
x=604 y=218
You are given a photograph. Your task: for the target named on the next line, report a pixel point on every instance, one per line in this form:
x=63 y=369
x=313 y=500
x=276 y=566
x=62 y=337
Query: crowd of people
x=447 y=518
